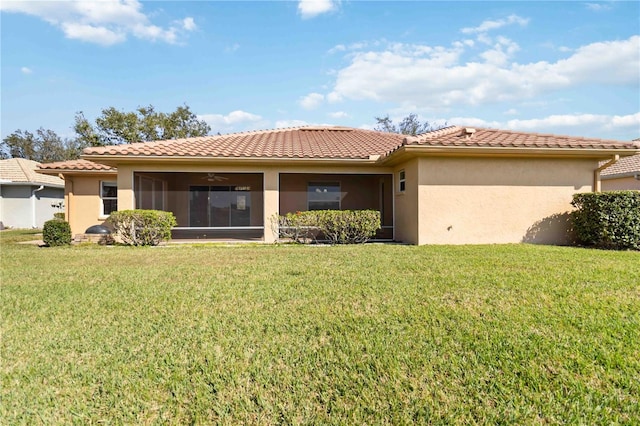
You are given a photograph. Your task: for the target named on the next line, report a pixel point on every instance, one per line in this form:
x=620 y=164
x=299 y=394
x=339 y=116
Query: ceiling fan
x=212 y=177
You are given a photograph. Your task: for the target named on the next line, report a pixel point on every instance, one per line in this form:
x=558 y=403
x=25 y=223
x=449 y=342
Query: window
x=109 y=195
x=323 y=196
x=401 y=181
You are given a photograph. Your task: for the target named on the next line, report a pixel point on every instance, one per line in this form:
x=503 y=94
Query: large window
x=323 y=196
x=109 y=196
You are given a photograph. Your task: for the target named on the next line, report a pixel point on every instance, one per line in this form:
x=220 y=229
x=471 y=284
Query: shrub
x=59 y=215
x=335 y=226
x=608 y=220
x=56 y=233
x=301 y=227
x=143 y=227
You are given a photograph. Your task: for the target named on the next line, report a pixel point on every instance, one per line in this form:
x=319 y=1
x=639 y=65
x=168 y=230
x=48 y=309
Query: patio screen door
x=219 y=206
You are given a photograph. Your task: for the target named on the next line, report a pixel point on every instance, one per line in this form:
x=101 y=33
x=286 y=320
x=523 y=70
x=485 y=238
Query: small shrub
x=335 y=226
x=59 y=216
x=300 y=227
x=56 y=233
x=143 y=227
x=609 y=220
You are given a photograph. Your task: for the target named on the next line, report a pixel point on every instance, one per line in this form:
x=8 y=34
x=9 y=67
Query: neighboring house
x=28 y=199
x=624 y=174
x=450 y=186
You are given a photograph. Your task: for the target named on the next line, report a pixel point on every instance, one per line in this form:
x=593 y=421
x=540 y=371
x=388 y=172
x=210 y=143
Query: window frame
x=109 y=198
x=402 y=181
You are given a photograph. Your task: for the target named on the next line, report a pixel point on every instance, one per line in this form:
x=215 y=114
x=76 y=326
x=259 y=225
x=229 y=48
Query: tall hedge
x=609 y=220
x=143 y=227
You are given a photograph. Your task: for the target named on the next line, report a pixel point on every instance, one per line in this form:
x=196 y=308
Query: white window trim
x=402 y=181
x=102 y=214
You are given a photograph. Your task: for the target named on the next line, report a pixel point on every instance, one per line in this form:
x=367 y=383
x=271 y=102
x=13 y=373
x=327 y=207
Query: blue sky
x=552 y=67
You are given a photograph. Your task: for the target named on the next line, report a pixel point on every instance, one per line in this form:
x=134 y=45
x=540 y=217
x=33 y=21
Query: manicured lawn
x=373 y=334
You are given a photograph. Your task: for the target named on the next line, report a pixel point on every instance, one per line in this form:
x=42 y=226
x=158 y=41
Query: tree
x=142 y=125
x=44 y=146
x=410 y=125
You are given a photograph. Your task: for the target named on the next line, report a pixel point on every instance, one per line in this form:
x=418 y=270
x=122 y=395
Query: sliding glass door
x=219 y=206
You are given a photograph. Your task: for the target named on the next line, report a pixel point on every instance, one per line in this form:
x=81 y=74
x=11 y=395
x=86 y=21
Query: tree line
x=112 y=127
x=145 y=124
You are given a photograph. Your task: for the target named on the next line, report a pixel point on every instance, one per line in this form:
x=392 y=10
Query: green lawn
x=374 y=334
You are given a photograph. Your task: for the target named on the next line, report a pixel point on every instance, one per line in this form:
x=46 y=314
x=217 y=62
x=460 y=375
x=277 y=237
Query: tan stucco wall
x=83 y=206
x=406 y=203
x=491 y=200
x=620 y=184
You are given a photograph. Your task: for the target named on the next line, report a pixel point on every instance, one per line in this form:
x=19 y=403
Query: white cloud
x=232 y=48
x=598 y=7
x=233 y=121
x=26 y=70
x=338 y=114
x=189 y=24
x=313 y=8
x=290 y=123
x=592 y=122
x=511 y=111
x=592 y=125
x=437 y=77
x=493 y=25
x=90 y=33
x=311 y=101
x=337 y=48
x=105 y=22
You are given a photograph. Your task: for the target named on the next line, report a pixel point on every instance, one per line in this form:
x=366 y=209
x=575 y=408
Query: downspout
x=33 y=206
x=597 y=187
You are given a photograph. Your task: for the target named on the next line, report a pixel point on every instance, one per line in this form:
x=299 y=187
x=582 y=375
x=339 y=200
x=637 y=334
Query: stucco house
x=27 y=199
x=623 y=175
x=455 y=185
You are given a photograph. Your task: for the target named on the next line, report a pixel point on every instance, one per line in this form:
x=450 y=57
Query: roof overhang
x=56 y=172
x=14 y=183
x=407 y=152
x=635 y=175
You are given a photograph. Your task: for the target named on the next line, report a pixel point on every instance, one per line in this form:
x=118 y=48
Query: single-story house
x=455 y=185
x=28 y=199
x=623 y=175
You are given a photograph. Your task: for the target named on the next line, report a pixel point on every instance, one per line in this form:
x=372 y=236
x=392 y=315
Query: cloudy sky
x=554 y=67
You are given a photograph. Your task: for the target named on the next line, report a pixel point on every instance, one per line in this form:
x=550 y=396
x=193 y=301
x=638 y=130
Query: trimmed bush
x=59 y=216
x=142 y=227
x=609 y=220
x=56 y=233
x=334 y=226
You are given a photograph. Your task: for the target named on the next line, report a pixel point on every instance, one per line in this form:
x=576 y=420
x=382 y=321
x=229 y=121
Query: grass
x=374 y=334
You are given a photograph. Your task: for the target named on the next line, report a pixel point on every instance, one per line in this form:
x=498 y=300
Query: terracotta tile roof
x=327 y=142
x=75 y=165
x=624 y=166
x=22 y=170
x=455 y=136
x=301 y=142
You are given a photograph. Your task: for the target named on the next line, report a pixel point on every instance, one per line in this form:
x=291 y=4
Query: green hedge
x=56 y=232
x=609 y=220
x=143 y=227
x=334 y=226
